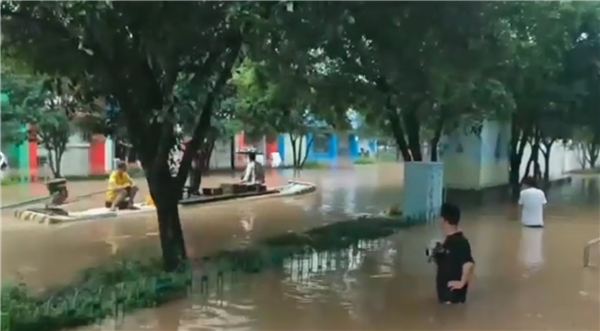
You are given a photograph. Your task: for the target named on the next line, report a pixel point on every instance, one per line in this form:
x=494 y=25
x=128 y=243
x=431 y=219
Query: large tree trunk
x=306 y=151
x=413 y=130
x=296 y=142
x=546 y=152
x=395 y=120
x=591 y=152
x=196 y=174
x=163 y=187
x=534 y=159
x=435 y=141
x=207 y=149
x=154 y=139
x=520 y=135
x=171 y=235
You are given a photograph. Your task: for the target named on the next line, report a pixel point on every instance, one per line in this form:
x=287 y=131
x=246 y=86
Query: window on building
x=86 y=136
x=321 y=142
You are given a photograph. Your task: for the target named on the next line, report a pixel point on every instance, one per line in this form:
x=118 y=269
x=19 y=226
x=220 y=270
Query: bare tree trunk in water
x=293 y=140
x=413 y=129
x=436 y=140
x=546 y=152
x=534 y=158
x=591 y=152
x=166 y=194
x=520 y=135
x=306 y=151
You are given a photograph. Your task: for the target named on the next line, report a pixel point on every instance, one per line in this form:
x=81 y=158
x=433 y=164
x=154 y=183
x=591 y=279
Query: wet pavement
x=527 y=279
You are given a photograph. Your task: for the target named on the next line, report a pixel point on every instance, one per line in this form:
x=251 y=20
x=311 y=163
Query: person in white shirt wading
x=532 y=201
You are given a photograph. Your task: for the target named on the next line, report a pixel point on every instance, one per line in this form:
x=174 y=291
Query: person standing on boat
x=121 y=190
x=254 y=173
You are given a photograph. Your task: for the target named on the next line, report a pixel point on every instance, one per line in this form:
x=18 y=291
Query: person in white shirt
x=254 y=173
x=532 y=201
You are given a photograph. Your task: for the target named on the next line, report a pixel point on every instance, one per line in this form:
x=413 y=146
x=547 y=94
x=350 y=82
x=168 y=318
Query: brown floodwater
x=526 y=279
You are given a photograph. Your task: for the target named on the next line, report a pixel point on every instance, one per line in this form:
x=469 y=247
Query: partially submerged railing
x=586 y=251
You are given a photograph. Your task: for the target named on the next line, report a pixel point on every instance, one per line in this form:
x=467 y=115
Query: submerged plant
x=123 y=286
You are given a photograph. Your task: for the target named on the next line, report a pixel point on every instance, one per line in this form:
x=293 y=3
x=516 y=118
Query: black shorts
x=122 y=205
x=446 y=295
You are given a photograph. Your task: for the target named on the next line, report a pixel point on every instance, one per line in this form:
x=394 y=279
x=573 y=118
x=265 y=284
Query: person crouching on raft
x=254 y=173
x=121 y=191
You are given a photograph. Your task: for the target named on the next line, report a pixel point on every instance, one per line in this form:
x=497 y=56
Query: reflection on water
x=525 y=278
x=531 y=253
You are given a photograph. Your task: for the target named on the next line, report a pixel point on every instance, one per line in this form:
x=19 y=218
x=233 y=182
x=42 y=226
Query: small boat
x=58 y=215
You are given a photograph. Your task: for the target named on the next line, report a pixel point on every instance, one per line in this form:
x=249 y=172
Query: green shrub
x=9 y=180
x=96 y=294
x=364 y=160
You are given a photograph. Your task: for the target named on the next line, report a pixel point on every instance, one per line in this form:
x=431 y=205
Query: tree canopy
x=412 y=70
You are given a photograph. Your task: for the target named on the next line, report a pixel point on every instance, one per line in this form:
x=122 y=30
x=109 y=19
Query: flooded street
x=525 y=279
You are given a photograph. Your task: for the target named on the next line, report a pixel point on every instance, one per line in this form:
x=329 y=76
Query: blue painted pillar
x=423 y=189
x=281 y=146
x=353 y=146
x=311 y=149
x=333 y=147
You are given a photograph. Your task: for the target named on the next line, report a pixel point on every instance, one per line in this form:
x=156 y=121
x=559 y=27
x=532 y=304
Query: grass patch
x=364 y=160
x=96 y=294
x=387 y=156
x=314 y=165
x=9 y=180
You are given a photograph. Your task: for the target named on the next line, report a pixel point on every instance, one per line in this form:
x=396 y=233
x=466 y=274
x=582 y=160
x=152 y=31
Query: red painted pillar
x=33 y=152
x=97 y=155
x=240 y=159
x=33 y=161
x=271 y=147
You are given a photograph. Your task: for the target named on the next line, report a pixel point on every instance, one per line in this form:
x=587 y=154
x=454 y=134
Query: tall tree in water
x=136 y=53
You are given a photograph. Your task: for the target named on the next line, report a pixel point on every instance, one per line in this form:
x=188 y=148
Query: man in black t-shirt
x=454 y=261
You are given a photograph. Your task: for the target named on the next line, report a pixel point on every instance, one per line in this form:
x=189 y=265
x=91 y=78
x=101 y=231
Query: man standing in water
x=455 y=264
x=532 y=201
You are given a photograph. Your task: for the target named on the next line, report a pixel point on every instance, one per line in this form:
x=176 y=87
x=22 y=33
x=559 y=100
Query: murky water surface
x=526 y=279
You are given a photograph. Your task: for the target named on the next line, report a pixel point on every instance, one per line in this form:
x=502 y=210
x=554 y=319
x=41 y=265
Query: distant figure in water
x=394 y=210
x=532 y=201
x=254 y=173
x=121 y=190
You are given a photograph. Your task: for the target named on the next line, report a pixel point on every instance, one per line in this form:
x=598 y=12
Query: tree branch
x=204 y=120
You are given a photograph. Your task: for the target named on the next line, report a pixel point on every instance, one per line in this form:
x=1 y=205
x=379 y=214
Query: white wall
x=109 y=155
x=562 y=160
x=75 y=160
x=221 y=155
x=288 y=157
